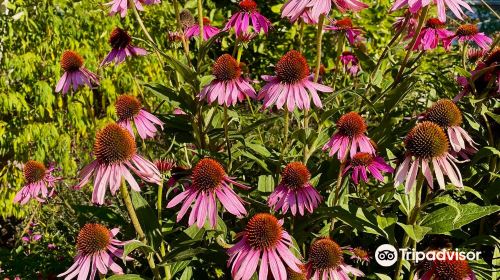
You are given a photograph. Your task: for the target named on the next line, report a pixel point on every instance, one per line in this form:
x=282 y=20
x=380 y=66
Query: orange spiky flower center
x=292 y=67
x=295 y=175
x=345 y=23
x=294 y=275
x=127 y=106
x=119 y=38
x=248 y=5
x=493 y=58
x=435 y=23
x=360 y=253
x=34 y=171
x=325 y=254
x=71 y=61
x=427 y=140
x=444 y=113
x=362 y=159
x=454 y=269
x=208 y=174
x=226 y=68
x=351 y=124
x=114 y=144
x=263 y=231
x=467 y=30
x=93 y=238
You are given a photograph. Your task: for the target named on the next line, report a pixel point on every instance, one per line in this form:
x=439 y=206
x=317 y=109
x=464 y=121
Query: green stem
x=421 y=21
x=301 y=35
x=226 y=135
x=143 y=27
x=286 y=122
x=464 y=56
x=179 y=28
x=159 y=204
x=340 y=178
x=200 y=19
x=137 y=226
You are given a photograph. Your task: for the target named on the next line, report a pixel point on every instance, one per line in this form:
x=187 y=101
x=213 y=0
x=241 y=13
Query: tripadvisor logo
x=387 y=255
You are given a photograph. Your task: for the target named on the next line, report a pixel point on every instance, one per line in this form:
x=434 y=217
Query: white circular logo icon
x=386 y=255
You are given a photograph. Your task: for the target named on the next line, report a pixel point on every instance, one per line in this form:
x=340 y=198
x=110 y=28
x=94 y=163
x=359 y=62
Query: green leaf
x=135 y=244
x=397 y=94
x=261 y=150
x=448 y=201
x=444 y=220
x=415 y=232
x=186 y=72
x=126 y=277
x=485 y=152
x=265 y=183
x=147 y=218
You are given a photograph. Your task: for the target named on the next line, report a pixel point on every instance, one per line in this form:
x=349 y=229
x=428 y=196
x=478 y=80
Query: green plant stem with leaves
x=228 y=142
x=137 y=226
x=200 y=19
x=159 y=204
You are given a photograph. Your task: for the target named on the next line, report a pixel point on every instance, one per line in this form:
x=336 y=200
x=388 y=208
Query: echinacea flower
x=263 y=241
x=291 y=84
x=248 y=16
x=209 y=182
x=129 y=109
x=208 y=30
x=326 y=261
x=96 y=246
x=431 y=34
x=295 y=192
x=39 y=183
x=416 y=5
x=164 y=165
x=349 y=137
x=116 y=153
x=350 y=62
x=121 y=6
x=359 y=254
x=448 y=116
x=361 y=163
x=453 y=267
x=427 y=148
x=469 y=32
x=344 y=26
x=475 y=54
x=75 y=74
x=229 y=86
x=120 y=40
x=293 y=9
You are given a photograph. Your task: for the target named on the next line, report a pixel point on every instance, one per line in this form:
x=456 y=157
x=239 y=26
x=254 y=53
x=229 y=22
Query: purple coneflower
x=121 y=6
x=469 y=32
x=415 y=5
x=350 y=137
x=291 y=84
x=345 y=26
x=248 y=15
x=453 y=267
x=39 y=183
x=326 y=261
x=129 y=109
x=75 y=74
x=120 y=40
x=361 y=255
x=448 y=116
x=475 y=54
x=295 y=192
x=115 y=152
x=263 y=241
x=431 y=34
x=350 y=62
x=229 y=86
x=208 y=30
x=208 y=182
x=427 y=148
x=293 y=9
x=361 y=162
x=97 y=246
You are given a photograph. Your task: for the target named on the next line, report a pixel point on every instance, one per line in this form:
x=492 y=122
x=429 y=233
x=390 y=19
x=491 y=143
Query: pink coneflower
x=469 y=32
x=427 y=146
x=97 y=246
x=453 y=267
x=208 y=30
x=350 y=62
x=345 y=27
x=431 y=34
x=120 y=40
x=115 y=152
x=129 y=109
x=264 y=240
x=361 y=255
x=415 y=6
x=229 y=86
x=326 y=261
x=448 y=116
x=295 y=192
x=361 y=163
x=291 y=84
x=412 y=22
x=475 y=54
x=39 y=183
x=248 y=16
x=75 y=74
x=293 y=9
x=208 y=182
x=350 y=136
x=121 y=6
